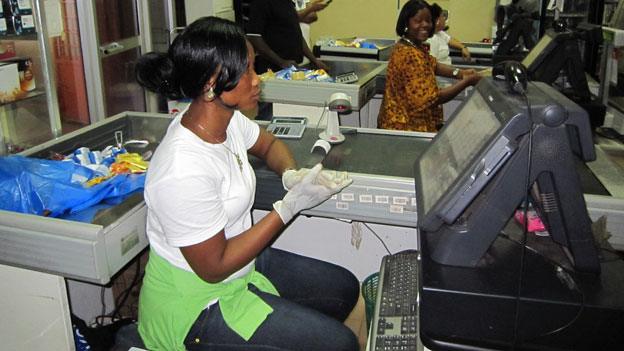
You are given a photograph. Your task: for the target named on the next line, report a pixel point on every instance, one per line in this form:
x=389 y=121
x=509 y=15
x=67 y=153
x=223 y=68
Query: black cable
x=119 y=301
x=126 y=293
x=618 y=254
x=525 y=226
x=558 y=267
x=103 y=311
x=378 y=237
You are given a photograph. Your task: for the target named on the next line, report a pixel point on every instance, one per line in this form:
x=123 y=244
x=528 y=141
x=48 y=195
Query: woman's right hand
x=314 y=188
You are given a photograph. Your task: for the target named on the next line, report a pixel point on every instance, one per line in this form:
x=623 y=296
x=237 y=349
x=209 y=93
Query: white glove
x=291 y=177
x=314 y=188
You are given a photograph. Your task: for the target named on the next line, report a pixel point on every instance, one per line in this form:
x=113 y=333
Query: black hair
x=208 y=46
x=409 y=10
x=436 y=12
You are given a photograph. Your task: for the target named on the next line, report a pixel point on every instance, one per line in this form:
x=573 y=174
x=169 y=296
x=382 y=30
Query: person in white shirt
x=441 y=42
x=212 y=281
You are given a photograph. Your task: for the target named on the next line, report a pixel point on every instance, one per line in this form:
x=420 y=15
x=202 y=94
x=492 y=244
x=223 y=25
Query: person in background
x=412 y=100
x=440 y=42
x=307 y=12
x=212 y=282
x=274 y=31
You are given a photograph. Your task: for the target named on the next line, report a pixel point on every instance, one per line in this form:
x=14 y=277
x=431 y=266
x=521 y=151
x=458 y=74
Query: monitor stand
x=474 y=308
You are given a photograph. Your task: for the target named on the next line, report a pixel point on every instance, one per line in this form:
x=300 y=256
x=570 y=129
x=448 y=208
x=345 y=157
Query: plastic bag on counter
x=53 y=188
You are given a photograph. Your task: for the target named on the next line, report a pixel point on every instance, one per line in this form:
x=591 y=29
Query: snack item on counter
x=97 y=161
x=267 y=75
x=298 y=75
x=293 y=73
x=129 y=163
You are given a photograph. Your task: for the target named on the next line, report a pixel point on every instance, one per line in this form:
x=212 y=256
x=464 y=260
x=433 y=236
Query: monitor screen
x=475 y=173
x=558 y=54
x=537 y=50
x=454 y=148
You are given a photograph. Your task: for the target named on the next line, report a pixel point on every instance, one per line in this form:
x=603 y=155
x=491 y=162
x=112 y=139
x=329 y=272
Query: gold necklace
x=238 y=159
x=222 y=142
x=409 y=42
x=218 y=140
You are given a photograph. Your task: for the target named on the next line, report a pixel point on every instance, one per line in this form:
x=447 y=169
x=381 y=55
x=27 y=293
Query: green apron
x=172 y=298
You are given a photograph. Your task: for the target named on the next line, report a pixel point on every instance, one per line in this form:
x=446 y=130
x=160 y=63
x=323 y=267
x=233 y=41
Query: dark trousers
x=315 y=298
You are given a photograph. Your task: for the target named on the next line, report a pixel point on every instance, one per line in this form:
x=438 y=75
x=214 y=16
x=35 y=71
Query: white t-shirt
x=439 y=48
x=195 y=189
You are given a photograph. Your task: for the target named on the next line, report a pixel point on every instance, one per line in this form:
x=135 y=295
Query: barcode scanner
x=514 y=73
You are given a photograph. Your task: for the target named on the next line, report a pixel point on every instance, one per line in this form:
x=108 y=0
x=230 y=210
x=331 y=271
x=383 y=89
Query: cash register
x=484 y=282
x=557 y=55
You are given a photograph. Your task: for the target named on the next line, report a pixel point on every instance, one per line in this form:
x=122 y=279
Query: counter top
x=380 y=162
x=317 y=93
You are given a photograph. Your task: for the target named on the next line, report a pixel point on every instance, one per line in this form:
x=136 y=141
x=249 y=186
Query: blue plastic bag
x=53 y=188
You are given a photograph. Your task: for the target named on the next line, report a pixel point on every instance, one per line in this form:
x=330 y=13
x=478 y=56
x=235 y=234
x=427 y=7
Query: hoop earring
x=209 y=95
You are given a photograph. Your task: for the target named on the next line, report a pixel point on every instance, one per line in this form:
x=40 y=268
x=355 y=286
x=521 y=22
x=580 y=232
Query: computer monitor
x=474 y=175
x=556 y=52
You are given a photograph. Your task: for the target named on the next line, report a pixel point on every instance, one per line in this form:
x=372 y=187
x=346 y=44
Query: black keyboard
x=395 y=322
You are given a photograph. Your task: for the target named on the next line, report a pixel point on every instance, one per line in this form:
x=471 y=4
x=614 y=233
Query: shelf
x=27 y=96
x=30 y=37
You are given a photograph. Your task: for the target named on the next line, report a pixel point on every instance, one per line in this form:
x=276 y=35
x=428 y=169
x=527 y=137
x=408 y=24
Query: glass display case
x=50 y=95
x=28 y=110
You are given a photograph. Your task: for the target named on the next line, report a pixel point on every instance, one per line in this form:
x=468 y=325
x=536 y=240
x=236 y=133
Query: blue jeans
x=315 y=298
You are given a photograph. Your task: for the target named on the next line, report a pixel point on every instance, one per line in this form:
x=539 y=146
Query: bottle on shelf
x=18 y=16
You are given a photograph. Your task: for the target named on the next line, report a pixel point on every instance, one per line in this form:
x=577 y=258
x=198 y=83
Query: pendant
x=240 y=163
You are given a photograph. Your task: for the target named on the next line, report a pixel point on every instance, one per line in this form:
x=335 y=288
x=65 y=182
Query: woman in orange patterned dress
x=412 y=99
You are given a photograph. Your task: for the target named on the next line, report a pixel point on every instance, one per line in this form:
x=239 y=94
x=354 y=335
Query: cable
x=371 y=230
x=525 y=226
x=378 y=237
x=321 y=116
x=618 y=254
x=574 y=286
x=103 y=311
x=126 y=293
x=120 y=300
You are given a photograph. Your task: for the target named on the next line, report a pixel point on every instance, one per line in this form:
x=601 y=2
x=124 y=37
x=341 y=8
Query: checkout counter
x=380 y=50
x=308 y=98
x=481 y=54
x=38 y=253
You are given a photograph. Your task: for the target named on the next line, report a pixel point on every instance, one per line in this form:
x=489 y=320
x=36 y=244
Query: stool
x=128 y=337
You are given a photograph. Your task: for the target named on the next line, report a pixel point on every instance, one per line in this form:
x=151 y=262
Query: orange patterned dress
x=409 y=101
